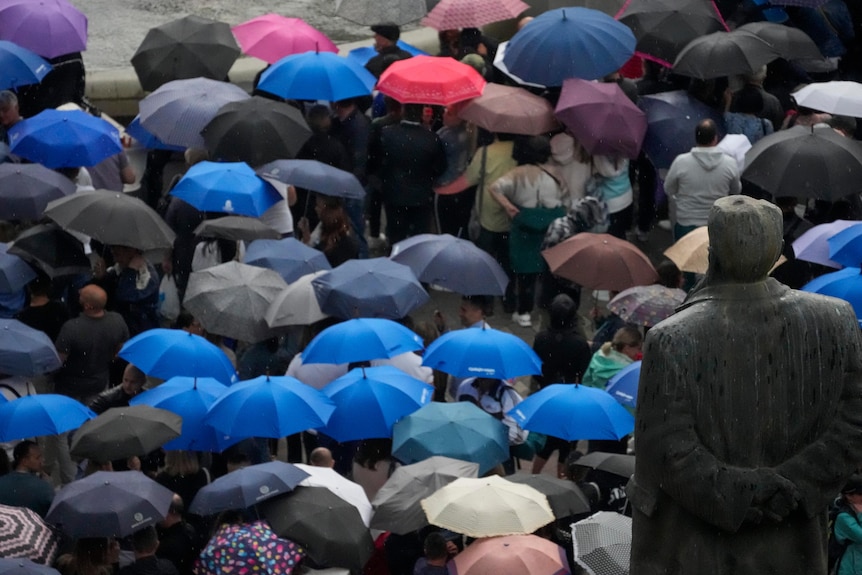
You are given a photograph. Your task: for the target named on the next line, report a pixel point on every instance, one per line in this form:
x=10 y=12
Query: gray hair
x=8 y=98
x=756 y=77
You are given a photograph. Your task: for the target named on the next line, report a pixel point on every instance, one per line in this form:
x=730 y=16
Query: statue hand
x=775 y=497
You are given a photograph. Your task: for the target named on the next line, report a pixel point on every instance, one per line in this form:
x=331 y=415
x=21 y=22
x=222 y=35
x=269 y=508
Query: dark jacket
x=407 y=158
x=111 y=397
x=376 y=65
x=565 y=356
x=353 y=132
x=150 y=565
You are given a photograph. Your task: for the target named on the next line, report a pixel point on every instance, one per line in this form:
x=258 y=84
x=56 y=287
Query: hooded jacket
x=696 y=179
x=572 y=171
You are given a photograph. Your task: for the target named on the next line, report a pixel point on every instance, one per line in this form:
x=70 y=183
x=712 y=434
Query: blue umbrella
x=317 y=76
x=19 y=66
x=190 y=398
x=362 y=55
x=229 y=187
x=147 y=139
x=573 y=412
x=361 y=339
x=452 y=263
x=25 y=351
x=166 y=353
x=269 y=407
x=845 y=247
x=24 y=567
x=623 y=386
x=482 y=352
x=291 y=258
x=569 y=43
x=246 y=487
x=844 y=284
x=315 y=176
x=457 y=430
x=38 y=415
x=14 y=272
x=376 y=287
x=64 y=139
x=382 y=395
x=671 y=120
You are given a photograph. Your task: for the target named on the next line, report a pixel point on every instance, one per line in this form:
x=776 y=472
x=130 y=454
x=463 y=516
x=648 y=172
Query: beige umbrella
x=691 y=252
x=488 y=507
x=297 y=304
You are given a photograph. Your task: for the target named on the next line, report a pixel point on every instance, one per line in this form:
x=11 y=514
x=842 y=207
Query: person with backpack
x=847 y=530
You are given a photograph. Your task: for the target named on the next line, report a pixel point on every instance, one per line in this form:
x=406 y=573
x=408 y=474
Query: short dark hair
x=146 y=540
x=748 y=101
x=479 y=301
x=669 y=274
x=562 y=312
x=22 y=451
x=435 y=546
x=705 y=132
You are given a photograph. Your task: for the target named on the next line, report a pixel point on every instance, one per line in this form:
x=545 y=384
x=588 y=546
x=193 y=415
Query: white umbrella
x=603 y=543
x=347 y=490
x=296 y=305
x=844 y=98
x=735 y=146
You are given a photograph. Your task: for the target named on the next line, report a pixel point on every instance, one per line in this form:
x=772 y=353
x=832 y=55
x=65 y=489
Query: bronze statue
x=749 y=414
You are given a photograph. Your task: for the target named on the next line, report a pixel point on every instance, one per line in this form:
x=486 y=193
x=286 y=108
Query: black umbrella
x=616 y=463
x=55 y=252
x=246 y=487
x=185 y=48
x=329 y=527
x=255 y=131
x=122 y=432
x=25 y=190
x=724 y=54
x=791 y=43
x=24 y=567
x=664 y=27
x=564 y=497
x=609 y=7
x=236 y=228
x=806 y=163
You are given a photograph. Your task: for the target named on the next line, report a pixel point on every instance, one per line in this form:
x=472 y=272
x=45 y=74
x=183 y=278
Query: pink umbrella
x=602 y=118
x=431 y=80
x=455 y=14
x=271 y=37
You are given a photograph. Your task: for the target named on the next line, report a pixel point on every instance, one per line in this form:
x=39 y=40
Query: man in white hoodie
x=699 y=177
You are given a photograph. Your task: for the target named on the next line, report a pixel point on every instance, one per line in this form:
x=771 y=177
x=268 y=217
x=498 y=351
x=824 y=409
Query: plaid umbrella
x=248 y=548
x=24 y=534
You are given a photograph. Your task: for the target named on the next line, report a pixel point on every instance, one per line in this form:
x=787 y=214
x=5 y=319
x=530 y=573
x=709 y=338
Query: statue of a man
x=749 y=414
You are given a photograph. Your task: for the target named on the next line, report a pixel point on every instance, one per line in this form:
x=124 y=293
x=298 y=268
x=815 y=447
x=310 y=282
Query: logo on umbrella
x=264 y=489
x=227 y=207
x=266 y=492
x=486 y=370
x=139 y=520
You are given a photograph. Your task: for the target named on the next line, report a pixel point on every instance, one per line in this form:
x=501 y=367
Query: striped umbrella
x=23 y=534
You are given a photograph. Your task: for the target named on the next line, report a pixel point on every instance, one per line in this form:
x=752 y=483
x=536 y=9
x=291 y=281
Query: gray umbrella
x=113 y=218
x=724 y=54
x=564 y=497
x=370 y=12
x=236 y=228
x=231 y=299
x=123 y=432
x=616 y=463
x=25 y=190
x=792 y=43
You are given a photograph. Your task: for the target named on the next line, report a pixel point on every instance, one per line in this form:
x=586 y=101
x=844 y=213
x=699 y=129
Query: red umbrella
x=511 y=110
x=271 y=37
x=456 y=14
x=602 y=118
x=431 y=80
x=600 y=261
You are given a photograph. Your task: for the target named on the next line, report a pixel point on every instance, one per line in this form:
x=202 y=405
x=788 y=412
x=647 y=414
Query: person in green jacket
x=614 y=355
x=848 y=528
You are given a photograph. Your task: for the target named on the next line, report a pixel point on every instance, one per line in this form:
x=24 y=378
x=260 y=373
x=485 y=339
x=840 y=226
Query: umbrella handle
x=437 y=213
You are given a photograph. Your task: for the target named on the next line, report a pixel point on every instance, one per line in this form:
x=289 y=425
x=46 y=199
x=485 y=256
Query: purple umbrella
x=602 y=118
x=813 y=246
x=49 y=28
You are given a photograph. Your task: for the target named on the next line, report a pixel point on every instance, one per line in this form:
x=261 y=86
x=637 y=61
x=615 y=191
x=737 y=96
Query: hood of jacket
x=709 y=158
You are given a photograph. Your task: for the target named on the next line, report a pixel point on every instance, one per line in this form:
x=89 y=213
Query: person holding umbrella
x=133 y=283
x=333 y=235
x=23 y=486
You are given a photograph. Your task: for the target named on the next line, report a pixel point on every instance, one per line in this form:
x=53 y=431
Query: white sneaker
x=524 y=320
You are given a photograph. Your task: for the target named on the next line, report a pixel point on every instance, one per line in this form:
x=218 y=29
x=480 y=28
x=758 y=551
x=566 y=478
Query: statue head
x=745 y=239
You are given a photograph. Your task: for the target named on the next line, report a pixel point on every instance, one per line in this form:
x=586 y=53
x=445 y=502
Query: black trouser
x=646 y=192
x=453 y=212
x=403 y=222
x=497 y=245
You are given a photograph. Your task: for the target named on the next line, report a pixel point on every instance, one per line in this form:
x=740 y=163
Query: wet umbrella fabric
x=14 y=272
x=609 y=7
x=229 y=187
x=647 y=305
x=185 y=48
x=109 y=504
x=452 y=14
x=430 y=80
x=623 y=386
x=20 y=66
x=600 y=261
x=249 y=548
x=23 y=534
x=39 y=415
x=510 y=109
x=147 y=139
x=724 y=54
x=564 y=496
x=690 y=253
x=843 y=98
x=522 y=554
x=348 y=490
x=165 y=353
x=845 y=284
x=603 y=543
x=370 y=12
x=315 y=176
x=616 y=463
x=296 y=305
x=25 y=351
x=813 y=245
x=271 y=37
x=26 y=189
x=317 y=76
x=291 y=258
x=121 y=432
x=482 y=352
x=246 y=487
x=25 y=567
x=791 y=42
x=363 y=54
x=49 y=28
x=362 y=339
x=64 y=139
x=845 y=247
x=236 y=228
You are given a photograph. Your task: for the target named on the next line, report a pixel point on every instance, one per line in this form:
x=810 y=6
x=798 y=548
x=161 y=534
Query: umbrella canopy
x=190 y=398
x=844 y=98
x=455 y=264
x=361 y=339
x=349 y=491
x=51 y=250
x=24 y=567
x=488 y=507
x=376 y=287
x=602 y=118
x=296 y=305
x=121 y=432
x=801 y=3
x=383 y=395
x=844 y=284
x=113 y=218
x=317 y=76
x=329 y=527
x=600 y=261
x=25 y=351
x=690 y=253
x=671 y=121
x=603 y=543
x=792 y=43
x=623 y=386
x=564 y=496
x=20 y=66
x=646 y=305
x=185 y=48
x=522 y=554
x=236 y=228
x=43 y=414
x=457 y=14
x=271 y=37
x=664 y=27
x=511 y=110
x=255 y=131
x=281 y=406
x=178 y=110
x=249 y=548
x=569 y=43
x=231 y=299
x=315 y=176
x=845 y=247
x=806 y=162
x=616 y=463
x=23 y=534
x=26 y=189
x=500 y=64
x=482 y=352
x=457 y=430
x=230 y=187
x=246 y=487
x=574 y=412
x=14 y=273
x=431 y=80
x=147 y=139
x=291 y=258
x=109 y=504
x=165 y=353
x=363 y=54
x=64 y=139
x=370 y=12
x=812 y=246
x=50 y=28
x=396 y=505
x=724 y=54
